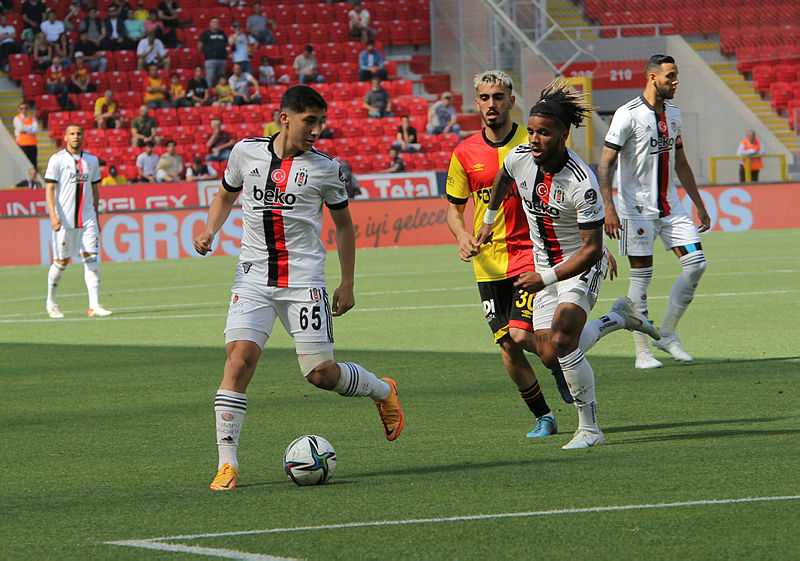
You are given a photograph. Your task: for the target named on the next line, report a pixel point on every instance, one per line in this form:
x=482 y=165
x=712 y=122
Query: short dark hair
x=655 y=62
x=149 y=143
x=299 y=98
x=170 y=141
x=370 y=42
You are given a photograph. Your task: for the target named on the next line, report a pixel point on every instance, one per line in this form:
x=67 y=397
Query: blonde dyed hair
x=492 y=77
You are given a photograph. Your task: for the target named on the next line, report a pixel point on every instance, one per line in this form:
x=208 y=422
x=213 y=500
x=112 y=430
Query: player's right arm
x=608 y=158
x=457 y=197
x=50 y=197
x=502 y=185
x=217 y=215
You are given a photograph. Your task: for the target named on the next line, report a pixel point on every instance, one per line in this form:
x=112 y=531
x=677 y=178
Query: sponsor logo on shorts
x=639 y=208
x=315 y=294
x=246 y=267
x=640 y=231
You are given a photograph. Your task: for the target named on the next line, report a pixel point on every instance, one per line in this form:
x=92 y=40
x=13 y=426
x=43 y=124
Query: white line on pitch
x=157 y=543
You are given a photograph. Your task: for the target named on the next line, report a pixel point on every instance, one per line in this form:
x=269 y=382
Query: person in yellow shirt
x=113 y=178
x=223 y=92
x=155 y=90
x=106 y=115
x=177 y=93
x=274 y=126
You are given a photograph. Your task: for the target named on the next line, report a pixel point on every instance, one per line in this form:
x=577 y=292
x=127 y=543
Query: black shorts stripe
x=328 y=316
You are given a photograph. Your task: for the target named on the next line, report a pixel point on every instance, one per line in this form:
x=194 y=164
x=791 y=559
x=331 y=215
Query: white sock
x=356 y=381
x=229 y=409
x=580 y=378
x=91 y=275
x=637 y=292
x=682 y=293
x=599 y=328
x=53 y=280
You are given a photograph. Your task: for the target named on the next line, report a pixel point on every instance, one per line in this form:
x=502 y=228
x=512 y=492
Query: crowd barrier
x=142 y=222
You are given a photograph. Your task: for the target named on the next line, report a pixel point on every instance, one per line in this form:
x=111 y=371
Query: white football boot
x=646 y=361
x=54 y=311
x=634 y=319
x=585 y=438
x=670 y=343
x=98 y=312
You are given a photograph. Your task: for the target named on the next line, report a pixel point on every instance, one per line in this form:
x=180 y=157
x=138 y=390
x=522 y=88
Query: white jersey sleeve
x=53 y=171
x=233 y=178
x=620 y=129
x=333 y=191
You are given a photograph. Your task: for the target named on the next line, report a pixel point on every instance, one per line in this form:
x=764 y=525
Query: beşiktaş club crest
x=301 y=177
x=558 y=194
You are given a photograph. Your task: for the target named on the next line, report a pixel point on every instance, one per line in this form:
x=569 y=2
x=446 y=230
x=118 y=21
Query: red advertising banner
x=409 y=185
x=609 y=74
x=141 y=196
x=169 y=233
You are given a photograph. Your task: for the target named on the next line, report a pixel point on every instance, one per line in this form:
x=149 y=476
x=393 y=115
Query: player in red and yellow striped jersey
x=473 y=167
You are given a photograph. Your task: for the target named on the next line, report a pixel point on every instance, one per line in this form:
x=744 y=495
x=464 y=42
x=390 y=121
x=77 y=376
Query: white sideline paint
x=10 y=318
x=158 y=543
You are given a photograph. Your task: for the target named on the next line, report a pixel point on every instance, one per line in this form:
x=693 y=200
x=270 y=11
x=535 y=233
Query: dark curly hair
x=559 y=100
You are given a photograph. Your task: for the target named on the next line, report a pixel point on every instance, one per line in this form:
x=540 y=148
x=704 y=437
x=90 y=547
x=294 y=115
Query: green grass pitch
x=108 y=433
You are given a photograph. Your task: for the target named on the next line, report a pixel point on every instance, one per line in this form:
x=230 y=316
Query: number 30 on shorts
x=315 y=318
x=524 y=300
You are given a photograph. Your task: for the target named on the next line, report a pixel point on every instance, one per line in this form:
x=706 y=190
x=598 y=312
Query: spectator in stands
x=168 y=11
x=91 y=33
x=8 y=42
x=143 y=128
x=55 y=33
x=141 y=13
x=197 y=89
x=219 y=143
x=106 y=115
x=376 y=101
x=750 y=146
x=442 y=116
x=240 y=83
x=359 y=20
x=119 y=7
x=25 y=128
x=200 y=170
x=42 y=52
x=212 y=44
x=116 y=37
x=153 y=24
x=170 y=165
x=406 y=137
x=113 y=178
x=241 y=45
x=258 y=26
x=71 y=16
x=32 y=181
x=79 y=76
x=274 y=126
x=146 y=163
x=178 y=96
x=370 y=63
x=134 y=27
x=306 y=68
x=152 y=51
x=55 y=78
x=32 y=13
x=266 y=72
x=396 y=163
x=222 y=92
x=156 y=89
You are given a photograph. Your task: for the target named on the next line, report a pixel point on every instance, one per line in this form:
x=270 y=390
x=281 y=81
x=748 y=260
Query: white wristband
x=549 y=277
x=488 y=218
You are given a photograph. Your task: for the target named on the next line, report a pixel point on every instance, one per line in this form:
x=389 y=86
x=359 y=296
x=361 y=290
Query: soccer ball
x=310 y=460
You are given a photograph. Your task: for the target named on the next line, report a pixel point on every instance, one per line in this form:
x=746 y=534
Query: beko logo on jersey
x=80 y=177
x=662 y=142
x=539 y=208
x=273 y=198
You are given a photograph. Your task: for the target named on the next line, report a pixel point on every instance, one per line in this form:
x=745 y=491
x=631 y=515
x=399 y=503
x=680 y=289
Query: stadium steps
x=9 y=105
x=760 y=108
x=567 y=15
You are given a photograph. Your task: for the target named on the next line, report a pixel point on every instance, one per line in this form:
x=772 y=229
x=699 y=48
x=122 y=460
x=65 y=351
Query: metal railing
x=712 y=165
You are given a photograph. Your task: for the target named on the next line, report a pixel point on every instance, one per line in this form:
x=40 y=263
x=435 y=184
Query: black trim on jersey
x=257 y=139
x=78 y=192
x=576 y=170
x=268 y=219
x=321 y=153
x=611 y=145
x=647 y=104
x=523 y=148
x=271 y=144
x=503 y=142
x=230 y=188
x=591 y=225
x=635 y=102
x=337 y=206
x=540 y=225
x=660 y=171
x=456 y=200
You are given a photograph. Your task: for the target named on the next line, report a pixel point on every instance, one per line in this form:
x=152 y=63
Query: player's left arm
x=685 y=174
x=343 y=298
x=590 y=252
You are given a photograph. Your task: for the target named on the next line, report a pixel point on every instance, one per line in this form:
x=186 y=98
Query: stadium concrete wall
x=134 y=231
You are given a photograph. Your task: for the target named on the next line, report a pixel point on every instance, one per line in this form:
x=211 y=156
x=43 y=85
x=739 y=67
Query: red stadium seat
x=47 y=104
x=125 y=60
x=780 y=93
x=793 y=109
x=763 y=76
x=32 y=86
x=19 y=66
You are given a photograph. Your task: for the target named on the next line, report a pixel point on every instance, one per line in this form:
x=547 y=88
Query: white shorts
x=581 y=290
x=72 y=242
x=304 y=312
x=638 y=235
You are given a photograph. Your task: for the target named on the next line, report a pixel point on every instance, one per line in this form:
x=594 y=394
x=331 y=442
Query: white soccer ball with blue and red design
x=310 y=460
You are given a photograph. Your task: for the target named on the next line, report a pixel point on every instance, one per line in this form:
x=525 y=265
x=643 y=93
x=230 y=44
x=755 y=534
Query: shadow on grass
x=659 y=426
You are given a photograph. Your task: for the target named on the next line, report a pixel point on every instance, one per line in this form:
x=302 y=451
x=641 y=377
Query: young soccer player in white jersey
x=561 y=200
x=284 y=182
x=71 y=182
x=646 y=135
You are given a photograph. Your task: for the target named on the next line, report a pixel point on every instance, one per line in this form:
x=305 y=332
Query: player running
x=284 y=183
x=474 y=164
x=560 y=198
x=71 y=182
x=646 y=134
